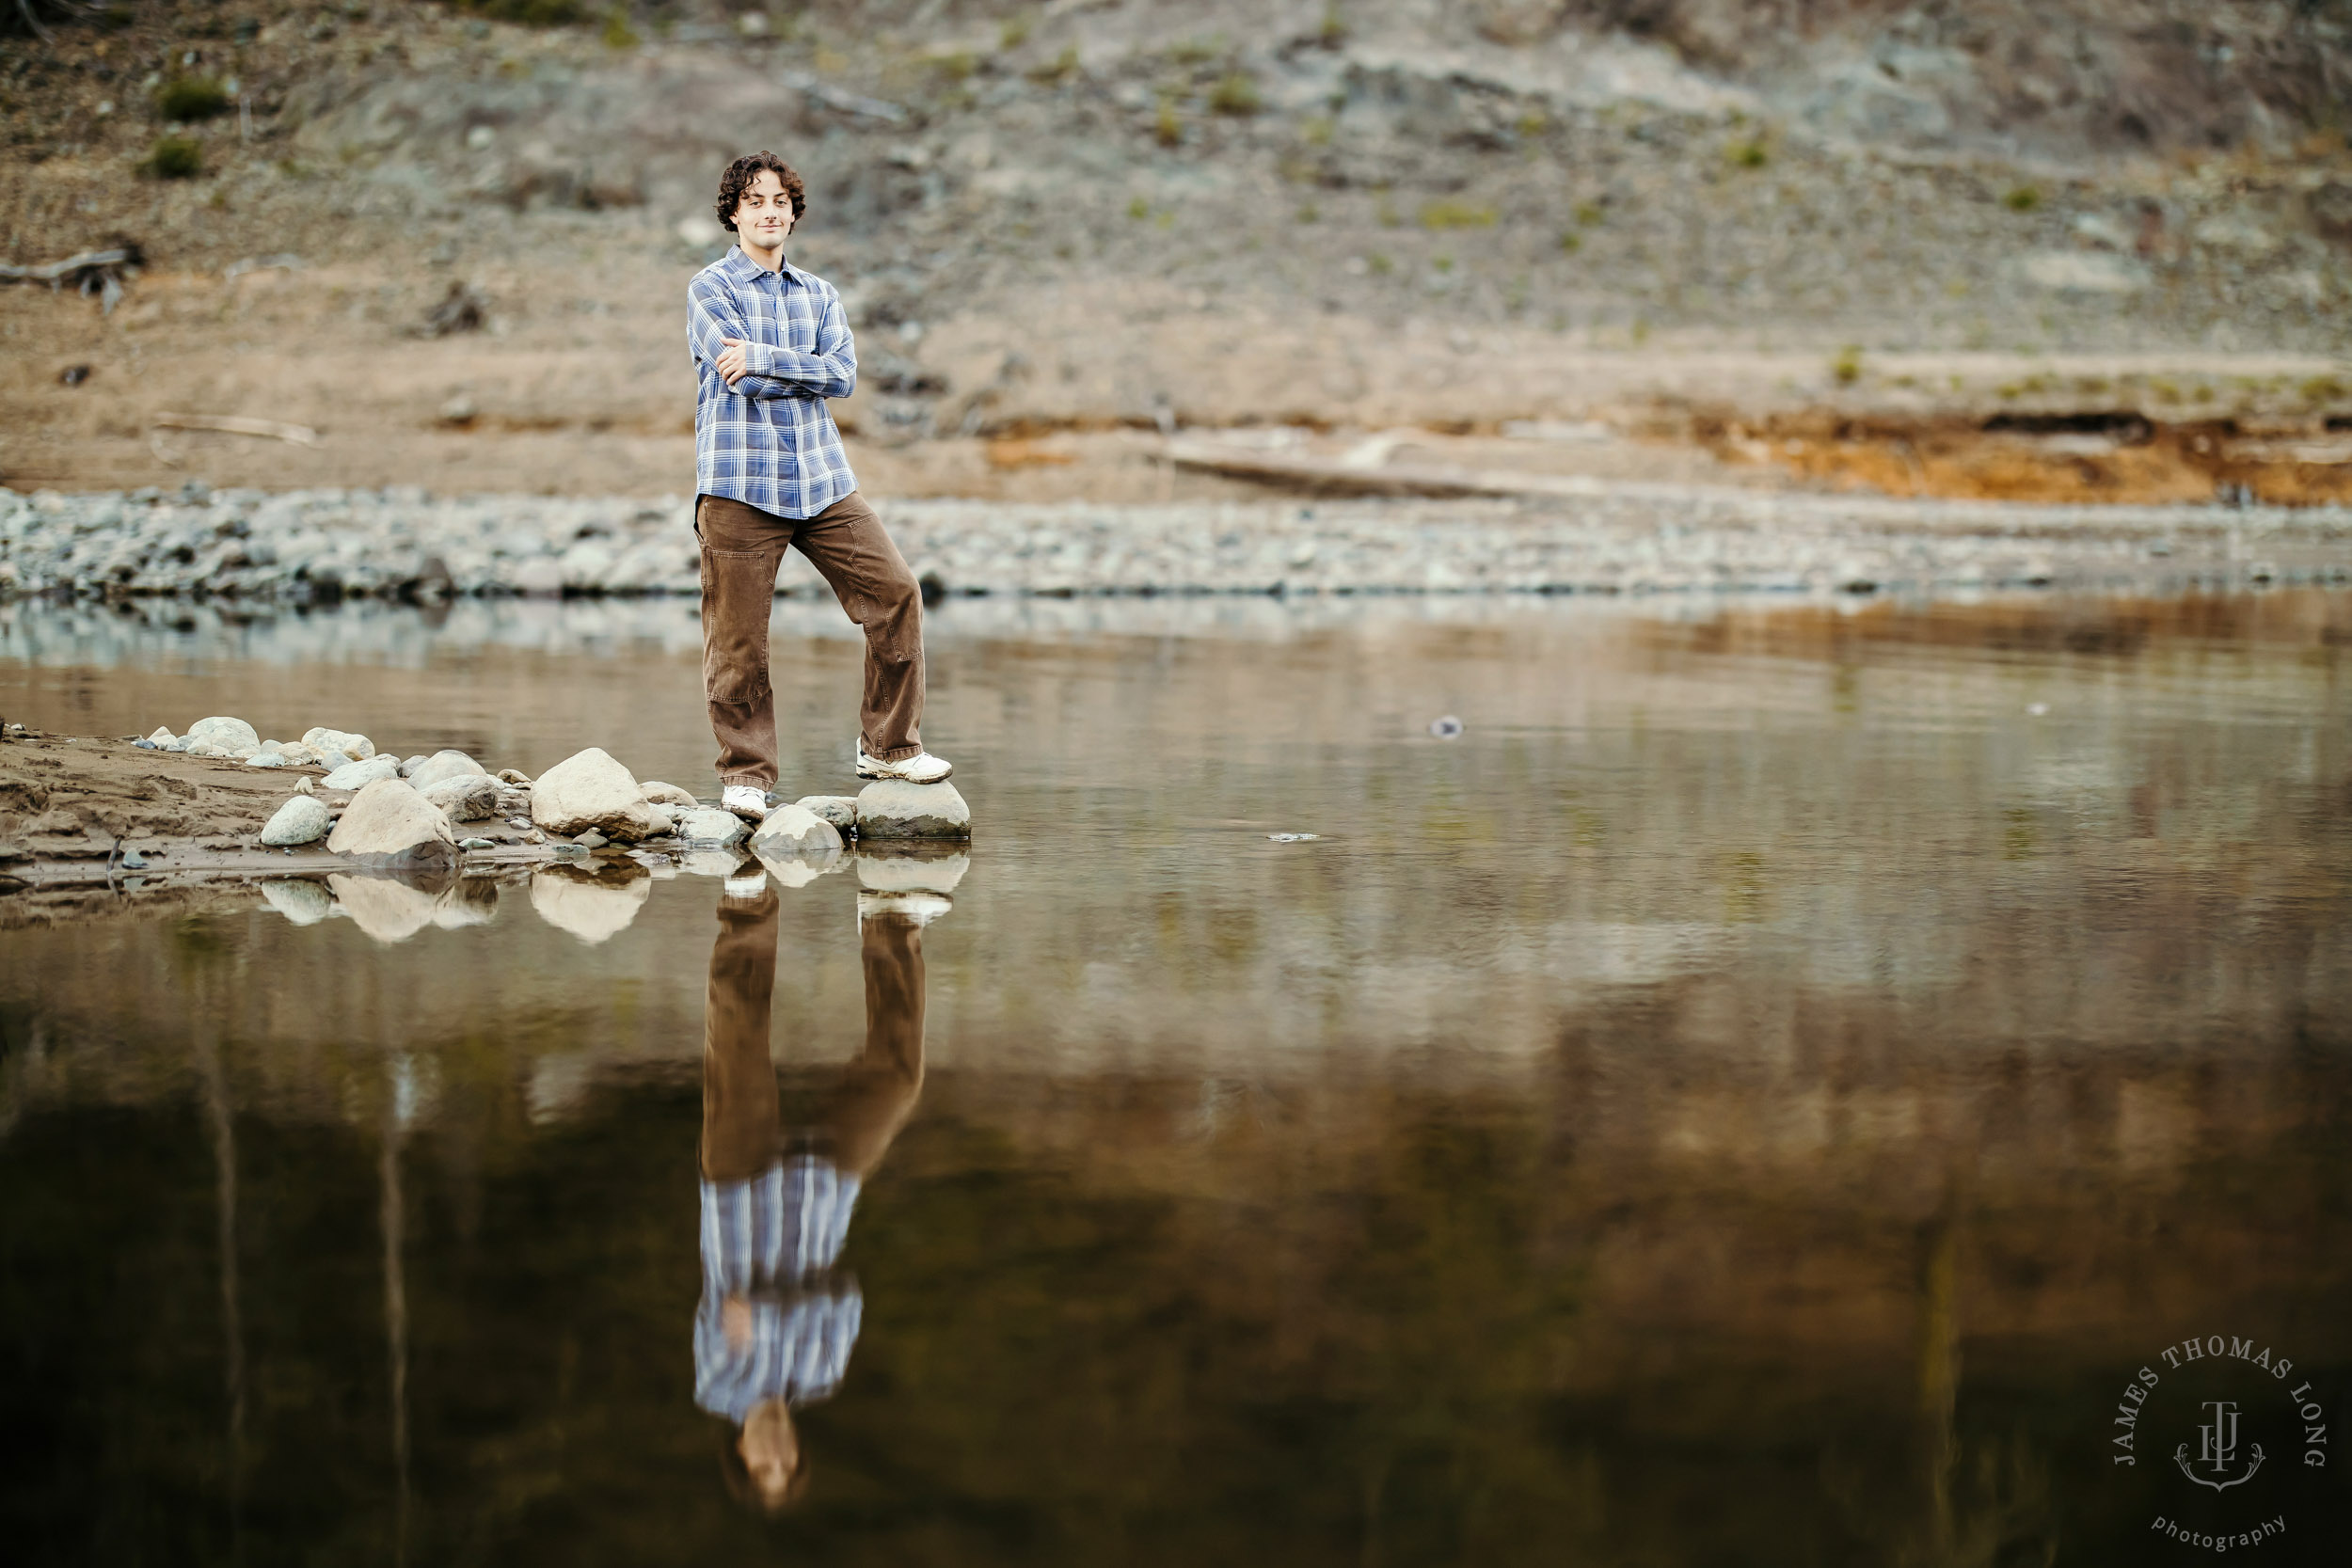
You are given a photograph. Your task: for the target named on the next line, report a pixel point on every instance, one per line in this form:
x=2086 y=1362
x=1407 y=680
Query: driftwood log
x=237 y=424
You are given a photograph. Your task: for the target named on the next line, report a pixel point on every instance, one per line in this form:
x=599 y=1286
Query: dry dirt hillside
x=2077 y=249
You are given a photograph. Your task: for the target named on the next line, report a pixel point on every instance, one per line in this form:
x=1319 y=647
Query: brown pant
x=875 y=1093
x=741 y=548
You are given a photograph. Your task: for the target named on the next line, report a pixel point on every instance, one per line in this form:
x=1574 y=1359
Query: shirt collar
x=744 y=270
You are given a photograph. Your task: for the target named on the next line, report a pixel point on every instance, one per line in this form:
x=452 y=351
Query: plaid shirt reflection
x=769 y=1241
x=769 y=441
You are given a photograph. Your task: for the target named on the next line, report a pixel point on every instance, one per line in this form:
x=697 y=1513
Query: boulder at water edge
x=388 y=824
x=358 y=775
x=303 y=903
x=232 y=737
x=444 y=764
x=889 y=808
x=588 y=791
x=467 y=798
x=303 y=819
x=795 y=830
x=707 y=828
x=655 y=793
x=839 y=810
x=357 y=747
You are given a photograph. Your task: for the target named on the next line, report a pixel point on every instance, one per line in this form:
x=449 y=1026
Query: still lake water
x=1757 y=1097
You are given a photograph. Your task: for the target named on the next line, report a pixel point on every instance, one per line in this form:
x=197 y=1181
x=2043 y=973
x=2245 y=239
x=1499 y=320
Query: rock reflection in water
x=595 y=905
x=778 y=1317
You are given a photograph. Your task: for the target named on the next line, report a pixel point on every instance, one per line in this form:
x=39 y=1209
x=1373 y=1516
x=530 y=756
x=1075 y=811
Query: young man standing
x=770 y=344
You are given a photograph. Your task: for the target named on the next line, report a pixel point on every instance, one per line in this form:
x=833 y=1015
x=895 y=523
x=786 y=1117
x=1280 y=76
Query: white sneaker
x=748 y=802
x=922 y=767
x=919 y=909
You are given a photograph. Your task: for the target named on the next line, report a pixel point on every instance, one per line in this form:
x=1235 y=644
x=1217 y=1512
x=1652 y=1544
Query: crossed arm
x=755 y=370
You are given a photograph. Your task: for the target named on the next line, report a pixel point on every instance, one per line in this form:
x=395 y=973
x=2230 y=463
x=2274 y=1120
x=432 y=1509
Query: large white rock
x=795 y=830
x=467 y=798
x=890 y=808
x=445 y=765
x=592 y=909
x=589 y=790
x=233 y=736
x=357 y=747
x=358 y=775
x=389 y=824
x=303 y=819
x=707 y=828
x=655 y=793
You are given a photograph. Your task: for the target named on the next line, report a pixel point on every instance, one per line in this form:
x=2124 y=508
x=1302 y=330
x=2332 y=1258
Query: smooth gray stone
x=303 y=819
x=707 y=828
x=388 y=823
x=408 y=765
x=466 y=797
x=889 y=808
x=265 y=759
x=443 y=764
x=839 y=810
x=352 y=744
x=358 y=775
x=795 y=830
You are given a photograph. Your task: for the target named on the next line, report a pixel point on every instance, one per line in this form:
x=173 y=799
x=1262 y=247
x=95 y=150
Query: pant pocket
x=738 y=588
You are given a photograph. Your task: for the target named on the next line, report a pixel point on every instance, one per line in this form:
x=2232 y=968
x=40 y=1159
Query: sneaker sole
x=901 y=778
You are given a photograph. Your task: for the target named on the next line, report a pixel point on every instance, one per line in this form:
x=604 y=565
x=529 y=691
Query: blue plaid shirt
x=769 y=441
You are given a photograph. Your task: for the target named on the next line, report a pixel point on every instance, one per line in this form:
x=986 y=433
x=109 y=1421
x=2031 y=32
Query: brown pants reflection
x=876 y=1092
x=741 y=548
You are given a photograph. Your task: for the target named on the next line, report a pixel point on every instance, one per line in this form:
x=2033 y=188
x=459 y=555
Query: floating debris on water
x=1446 y=728
x=1293 y=838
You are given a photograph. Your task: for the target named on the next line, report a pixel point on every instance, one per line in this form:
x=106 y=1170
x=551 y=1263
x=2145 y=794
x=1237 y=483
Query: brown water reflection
x=1752 y=1098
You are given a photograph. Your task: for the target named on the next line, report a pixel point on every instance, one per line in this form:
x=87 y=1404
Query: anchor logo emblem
x=2216 y=1450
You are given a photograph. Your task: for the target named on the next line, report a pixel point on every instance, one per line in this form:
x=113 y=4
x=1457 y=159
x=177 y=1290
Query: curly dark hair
x=745 y=170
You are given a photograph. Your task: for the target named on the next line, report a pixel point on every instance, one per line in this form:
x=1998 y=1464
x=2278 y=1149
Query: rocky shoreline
x=79 y=814
x=321 y=546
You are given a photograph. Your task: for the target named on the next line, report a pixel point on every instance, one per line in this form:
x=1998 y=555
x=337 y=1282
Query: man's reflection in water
x=777 y=1323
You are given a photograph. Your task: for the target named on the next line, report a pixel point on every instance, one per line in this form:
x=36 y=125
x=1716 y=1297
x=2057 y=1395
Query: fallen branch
x=68 y=270
x=237 y=424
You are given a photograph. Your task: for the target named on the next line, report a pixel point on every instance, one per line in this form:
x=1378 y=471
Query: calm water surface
x=1757 y=1096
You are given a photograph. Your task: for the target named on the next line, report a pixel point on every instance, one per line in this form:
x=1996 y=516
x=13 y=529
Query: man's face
x=763 y=214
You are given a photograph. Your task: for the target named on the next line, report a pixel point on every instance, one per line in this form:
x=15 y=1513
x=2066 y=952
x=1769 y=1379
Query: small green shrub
x=1333 y=32
x=1309 y=212
x=1318 y=130
x=1381 y=266
x=1749 y=154
x=1588 y=214
x=1235 y=93
x=2023 y=199
x=175 y=158
x=956 y=67
x=617 y=33
x=1456 y=214
x=1571 y=242
x=186 y=99
x=1847 y=367
x=1167 y=129
x=1015 y=31
x=1139 y=209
